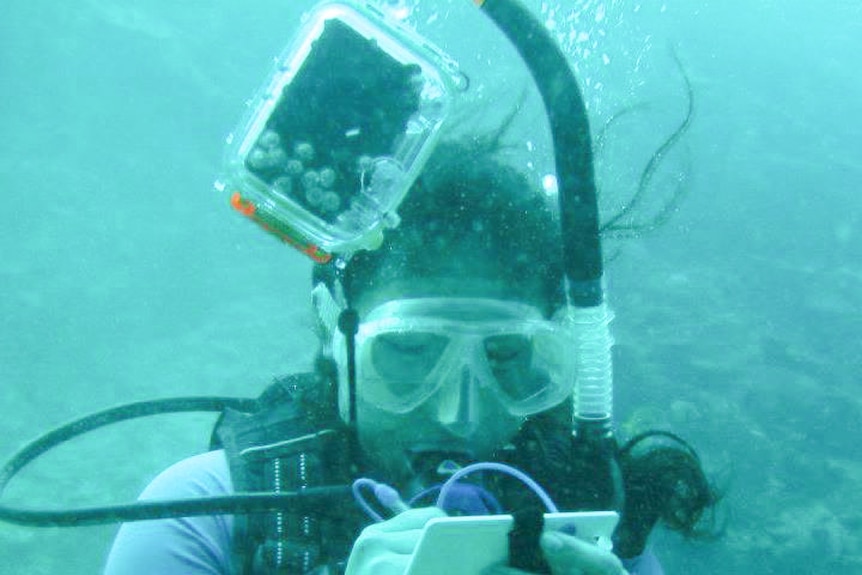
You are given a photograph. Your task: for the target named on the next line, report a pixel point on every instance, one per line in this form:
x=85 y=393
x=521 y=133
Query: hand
x=385 y=548
x=568 y=555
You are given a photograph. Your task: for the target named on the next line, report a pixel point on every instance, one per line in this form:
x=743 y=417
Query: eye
x=510 y=358
x=406 y=356
x=409 y=344
x=507 y=349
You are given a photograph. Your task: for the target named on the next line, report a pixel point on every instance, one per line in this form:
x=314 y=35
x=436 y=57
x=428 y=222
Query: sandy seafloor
x=124 y=276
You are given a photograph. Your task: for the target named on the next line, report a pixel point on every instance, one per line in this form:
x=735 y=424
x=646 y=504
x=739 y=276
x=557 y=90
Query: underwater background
x=124 y=276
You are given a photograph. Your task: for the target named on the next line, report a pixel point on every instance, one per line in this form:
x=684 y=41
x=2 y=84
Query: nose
x=457 y=406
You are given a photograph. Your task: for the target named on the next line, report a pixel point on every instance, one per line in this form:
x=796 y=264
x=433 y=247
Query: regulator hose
x=138 y=511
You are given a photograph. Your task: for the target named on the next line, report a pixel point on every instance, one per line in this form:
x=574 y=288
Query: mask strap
x=328 y=301
x=334 y=313
x=348 y=324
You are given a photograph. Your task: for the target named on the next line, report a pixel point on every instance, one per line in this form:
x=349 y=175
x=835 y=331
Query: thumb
x=410 y=519
x=566 y=554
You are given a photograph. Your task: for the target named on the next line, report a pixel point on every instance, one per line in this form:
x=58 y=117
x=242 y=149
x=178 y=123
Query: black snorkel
x=582 y=252
x=573 y=155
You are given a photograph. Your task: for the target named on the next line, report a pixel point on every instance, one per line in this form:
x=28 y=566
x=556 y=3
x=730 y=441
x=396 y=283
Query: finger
x=366 y=562
x=398 y=542
x=410 y=519
x=566 y=554
x=503 y=570
x=393 y=565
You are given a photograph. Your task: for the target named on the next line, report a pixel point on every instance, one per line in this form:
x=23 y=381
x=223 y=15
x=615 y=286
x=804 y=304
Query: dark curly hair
x=470 y=213
x=664 y=481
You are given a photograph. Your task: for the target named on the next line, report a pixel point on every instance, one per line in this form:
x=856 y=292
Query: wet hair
x=470 y=213
x=664 y=482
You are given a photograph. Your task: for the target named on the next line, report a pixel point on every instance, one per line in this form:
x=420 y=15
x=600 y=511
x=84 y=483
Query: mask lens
x=533 y=371
x=408 y=349
x=395 y=367
x=509 y=359
x=403 y=360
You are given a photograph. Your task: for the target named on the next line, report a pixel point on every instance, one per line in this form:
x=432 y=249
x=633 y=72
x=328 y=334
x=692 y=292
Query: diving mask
x=407 y=351
x=340 y=130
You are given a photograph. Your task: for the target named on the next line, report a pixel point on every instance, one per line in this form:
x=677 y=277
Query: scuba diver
x=463 y=339
x=451 y=311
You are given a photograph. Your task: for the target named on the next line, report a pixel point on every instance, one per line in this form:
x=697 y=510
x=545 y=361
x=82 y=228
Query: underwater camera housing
x=334 y=139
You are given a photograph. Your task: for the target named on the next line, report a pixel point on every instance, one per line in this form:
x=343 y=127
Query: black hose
x=573 y=156
x=348 y=323
x=113 y=415
x=245 y=503
x=241 y=503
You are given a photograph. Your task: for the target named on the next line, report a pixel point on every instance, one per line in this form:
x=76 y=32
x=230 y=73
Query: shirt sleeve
x=644 y=564
x=179 y=546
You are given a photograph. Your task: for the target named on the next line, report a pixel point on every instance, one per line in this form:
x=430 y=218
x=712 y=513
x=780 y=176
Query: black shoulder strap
x=288 y=443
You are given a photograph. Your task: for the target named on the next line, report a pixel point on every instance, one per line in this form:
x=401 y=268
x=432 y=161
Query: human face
x=459 y=394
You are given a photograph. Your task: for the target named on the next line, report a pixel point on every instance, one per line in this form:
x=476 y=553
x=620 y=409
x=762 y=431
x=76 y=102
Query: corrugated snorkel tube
x=579 y=214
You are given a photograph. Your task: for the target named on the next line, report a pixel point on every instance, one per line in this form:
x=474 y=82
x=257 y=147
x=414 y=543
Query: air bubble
x=310 y=179
x=330 y=202
x=304 y=151
x=283 y=185
x=327 y=177
x=269 y=139
x=277 y=158
x=258 y=159
x=293 y=167
x=314 y=195
x=550 y=185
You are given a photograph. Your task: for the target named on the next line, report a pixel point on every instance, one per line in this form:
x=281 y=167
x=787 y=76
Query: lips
x=434 y=460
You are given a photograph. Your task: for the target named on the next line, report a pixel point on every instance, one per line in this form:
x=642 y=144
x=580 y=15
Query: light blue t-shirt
x=186 y=545
x=201 y=545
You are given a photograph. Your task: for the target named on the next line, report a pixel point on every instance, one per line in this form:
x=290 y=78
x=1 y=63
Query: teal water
x=124 y=276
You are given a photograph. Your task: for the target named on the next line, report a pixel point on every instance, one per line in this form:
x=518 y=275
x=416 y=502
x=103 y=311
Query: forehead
x=449 y=287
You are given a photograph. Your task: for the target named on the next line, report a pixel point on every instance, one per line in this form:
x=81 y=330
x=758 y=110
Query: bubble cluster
x=604 y=43
x=294 y=176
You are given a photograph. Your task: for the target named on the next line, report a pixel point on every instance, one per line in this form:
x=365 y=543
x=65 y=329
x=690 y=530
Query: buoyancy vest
x=294 y=439
x=287 y=444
